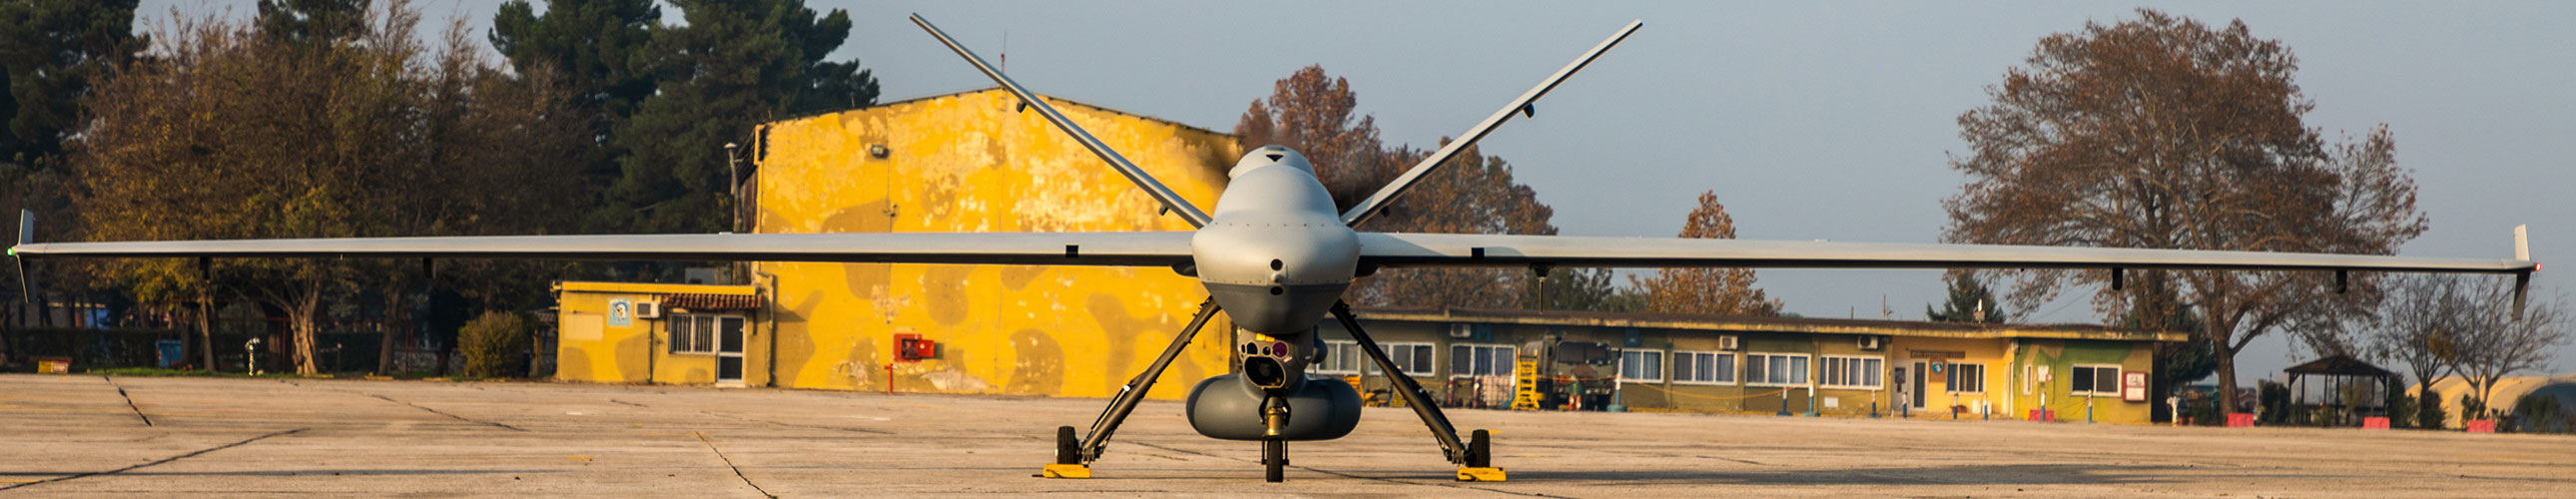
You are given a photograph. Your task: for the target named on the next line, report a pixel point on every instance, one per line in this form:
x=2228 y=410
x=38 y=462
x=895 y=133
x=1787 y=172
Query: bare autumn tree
x=233 y=133
x=1315 y=113
x=2420 y=324
x=1473 y=194
x=1706 y=291
x=2166 y=133
x=2496 y=343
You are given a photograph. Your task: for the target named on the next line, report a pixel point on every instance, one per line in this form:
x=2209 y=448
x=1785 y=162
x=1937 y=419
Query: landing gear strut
x=1274 y=450
x=1475 y=461
x=1073 y=457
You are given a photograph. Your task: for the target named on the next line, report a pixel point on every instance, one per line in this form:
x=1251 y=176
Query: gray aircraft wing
x=1133 y=249
x=1485 y=250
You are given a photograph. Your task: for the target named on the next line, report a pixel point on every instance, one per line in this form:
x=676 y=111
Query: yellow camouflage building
x=965 y=162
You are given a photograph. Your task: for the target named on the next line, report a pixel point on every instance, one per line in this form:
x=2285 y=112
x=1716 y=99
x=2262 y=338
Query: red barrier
x=2240 y=420
x=2374 y=423
x=2043 y=415
x=2482 y=426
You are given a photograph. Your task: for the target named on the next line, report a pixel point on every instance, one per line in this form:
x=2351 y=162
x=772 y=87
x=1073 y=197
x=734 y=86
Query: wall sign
x=2133 y=386
x=621 y=312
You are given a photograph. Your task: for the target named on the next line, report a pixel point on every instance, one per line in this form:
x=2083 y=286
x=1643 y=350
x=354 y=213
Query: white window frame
x=2114 y=369
x=1721 y=376
x=1950 y=377
x=1871 y=368
x=1800 y=379
x=1506 y=365
x=1336 y=351
x=687 y=339
x=1663 y=365
x=1407 y=360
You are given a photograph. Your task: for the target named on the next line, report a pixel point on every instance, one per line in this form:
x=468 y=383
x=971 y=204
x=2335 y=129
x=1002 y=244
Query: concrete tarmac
x=75 y=436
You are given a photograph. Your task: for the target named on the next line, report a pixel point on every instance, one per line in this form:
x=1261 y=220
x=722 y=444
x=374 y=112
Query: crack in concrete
x=129 y=400
x=737 y=470
x=166 y=460
x=794 y=425
x=451 y=416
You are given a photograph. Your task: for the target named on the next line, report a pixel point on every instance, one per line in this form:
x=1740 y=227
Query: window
x=2094 y=380
x=1775 y=369
x=1341 y=357
x=1641 y=365
x=1703 y=367
x=700 y=334
x=1482 y=360
x=1966 y=378
x=1345 y=358
x=1853 y=372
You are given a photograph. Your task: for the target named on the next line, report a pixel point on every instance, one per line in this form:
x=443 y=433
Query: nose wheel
x=1274 y=450
x=1274 y=460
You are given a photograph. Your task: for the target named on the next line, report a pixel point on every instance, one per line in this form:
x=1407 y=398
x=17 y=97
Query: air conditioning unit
x=648 y=310
x=1728 y=342
x=1461 y=331
x=1873 y=342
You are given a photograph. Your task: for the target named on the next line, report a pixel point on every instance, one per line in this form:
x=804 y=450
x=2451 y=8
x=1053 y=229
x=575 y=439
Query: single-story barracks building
x=1763 y=365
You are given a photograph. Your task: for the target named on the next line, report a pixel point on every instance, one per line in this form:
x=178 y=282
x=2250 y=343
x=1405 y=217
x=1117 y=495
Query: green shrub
x=2432 y=416
x=2274 y=398
x=2401 y=409
x=494 y=345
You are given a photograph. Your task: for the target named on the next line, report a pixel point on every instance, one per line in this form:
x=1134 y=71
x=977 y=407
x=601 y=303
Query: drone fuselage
x=1275 y=254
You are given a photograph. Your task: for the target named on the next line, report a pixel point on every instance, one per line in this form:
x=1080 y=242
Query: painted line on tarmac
x=737 y=470
x=453 y=416
x=129 y=400
x=155 y=463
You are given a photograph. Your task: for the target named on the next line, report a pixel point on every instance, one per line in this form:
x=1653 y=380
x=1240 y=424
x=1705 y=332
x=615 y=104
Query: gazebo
x=2367 y=386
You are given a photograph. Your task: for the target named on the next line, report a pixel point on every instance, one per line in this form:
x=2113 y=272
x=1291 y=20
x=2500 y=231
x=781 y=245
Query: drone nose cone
x=1275 y=277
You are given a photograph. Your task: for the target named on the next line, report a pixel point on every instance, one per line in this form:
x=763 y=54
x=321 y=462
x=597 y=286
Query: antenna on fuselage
x=1526 y=105
x=1171 y=200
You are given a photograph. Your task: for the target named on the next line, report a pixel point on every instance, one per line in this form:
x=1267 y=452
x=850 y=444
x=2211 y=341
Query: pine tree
x=735 y=63
x=51 y=53
x=1970 y=301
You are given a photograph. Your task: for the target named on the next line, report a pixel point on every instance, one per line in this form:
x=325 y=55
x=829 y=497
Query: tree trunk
x=304 y=322
x=2226 y=378
x=206 y=326
x=385 y=347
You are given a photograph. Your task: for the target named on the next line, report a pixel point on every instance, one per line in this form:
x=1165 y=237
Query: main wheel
x=1068 y=449
x=1480 y=450
x=1274 y=460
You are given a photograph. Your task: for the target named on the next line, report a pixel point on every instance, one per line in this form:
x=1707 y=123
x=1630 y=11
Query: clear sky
x=1810 y=120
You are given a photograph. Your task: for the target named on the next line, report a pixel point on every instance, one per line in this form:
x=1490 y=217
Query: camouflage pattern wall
x=970 y=162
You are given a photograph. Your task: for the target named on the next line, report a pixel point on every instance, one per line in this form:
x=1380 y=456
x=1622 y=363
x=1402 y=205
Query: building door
x=1921 y=369
x=729 y=351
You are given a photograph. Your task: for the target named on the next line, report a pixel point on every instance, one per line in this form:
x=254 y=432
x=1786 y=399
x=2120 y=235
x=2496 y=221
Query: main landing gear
x=1074 y=455
x=1475 y=459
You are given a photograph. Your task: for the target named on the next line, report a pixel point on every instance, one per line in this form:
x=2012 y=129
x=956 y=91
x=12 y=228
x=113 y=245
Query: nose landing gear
x=1274 y=450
